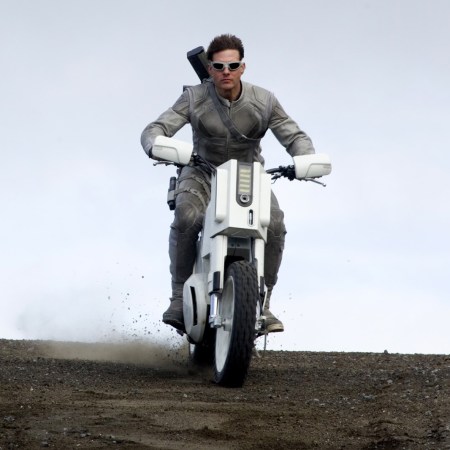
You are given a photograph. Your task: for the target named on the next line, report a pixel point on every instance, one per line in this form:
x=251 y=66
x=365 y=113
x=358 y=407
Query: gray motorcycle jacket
x=255 y=111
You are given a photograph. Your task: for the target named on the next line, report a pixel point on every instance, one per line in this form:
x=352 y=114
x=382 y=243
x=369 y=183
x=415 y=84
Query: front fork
x=215 y=321
x=257 y=247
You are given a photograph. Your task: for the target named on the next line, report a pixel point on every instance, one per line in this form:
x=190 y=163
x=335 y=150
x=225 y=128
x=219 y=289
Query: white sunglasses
x=231 y=66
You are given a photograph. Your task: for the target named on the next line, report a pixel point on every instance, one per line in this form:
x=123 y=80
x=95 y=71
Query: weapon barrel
x=199 y=62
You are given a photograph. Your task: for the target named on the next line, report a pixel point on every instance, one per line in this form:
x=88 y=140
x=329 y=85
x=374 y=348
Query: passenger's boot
x=272 y=324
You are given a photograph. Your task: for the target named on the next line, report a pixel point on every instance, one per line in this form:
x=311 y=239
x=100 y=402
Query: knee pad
x=277 y=229
x=188 y=215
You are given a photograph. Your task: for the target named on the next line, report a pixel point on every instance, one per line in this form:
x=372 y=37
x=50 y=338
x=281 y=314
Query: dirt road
x=68 y=395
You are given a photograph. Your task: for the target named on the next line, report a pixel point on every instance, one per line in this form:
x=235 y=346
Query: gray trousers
x=191 y=200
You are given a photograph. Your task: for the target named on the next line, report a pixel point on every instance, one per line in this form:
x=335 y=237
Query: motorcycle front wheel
x=235 y=338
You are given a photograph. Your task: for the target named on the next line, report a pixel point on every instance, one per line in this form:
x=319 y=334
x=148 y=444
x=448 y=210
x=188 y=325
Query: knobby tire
x=245 y=296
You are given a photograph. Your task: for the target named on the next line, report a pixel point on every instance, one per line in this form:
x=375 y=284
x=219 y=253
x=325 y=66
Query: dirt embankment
x=68 y=395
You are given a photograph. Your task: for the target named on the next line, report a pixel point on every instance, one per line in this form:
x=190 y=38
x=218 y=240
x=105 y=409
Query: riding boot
x=272 y=324
x=273 y=255
x=174 y=314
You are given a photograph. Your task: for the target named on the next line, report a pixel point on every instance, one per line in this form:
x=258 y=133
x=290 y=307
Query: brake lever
x=276 y=176
x=315 y=181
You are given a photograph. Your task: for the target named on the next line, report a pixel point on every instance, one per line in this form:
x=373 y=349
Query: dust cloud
x=148 y=354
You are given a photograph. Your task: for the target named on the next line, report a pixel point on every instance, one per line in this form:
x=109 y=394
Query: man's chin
x=226 y=86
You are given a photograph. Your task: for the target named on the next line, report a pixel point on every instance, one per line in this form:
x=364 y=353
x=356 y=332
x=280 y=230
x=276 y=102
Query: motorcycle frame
x=235 y=228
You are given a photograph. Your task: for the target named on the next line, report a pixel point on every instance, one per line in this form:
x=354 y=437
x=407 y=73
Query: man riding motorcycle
x=229 y=118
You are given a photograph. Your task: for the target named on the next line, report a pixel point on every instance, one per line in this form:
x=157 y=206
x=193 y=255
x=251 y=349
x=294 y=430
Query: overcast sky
x=84 y=223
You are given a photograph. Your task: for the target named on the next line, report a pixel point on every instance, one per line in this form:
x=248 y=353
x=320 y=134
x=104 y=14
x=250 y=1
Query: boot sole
x=176 y=323
x=275 y=328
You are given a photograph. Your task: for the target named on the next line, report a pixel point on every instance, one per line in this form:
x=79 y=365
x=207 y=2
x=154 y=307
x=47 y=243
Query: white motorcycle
x=223 y=300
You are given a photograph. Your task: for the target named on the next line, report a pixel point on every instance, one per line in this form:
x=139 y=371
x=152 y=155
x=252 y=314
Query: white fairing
x=226 y=219
x=169 y=149
x=312 y=166
x=232 y=219
x=195 y=304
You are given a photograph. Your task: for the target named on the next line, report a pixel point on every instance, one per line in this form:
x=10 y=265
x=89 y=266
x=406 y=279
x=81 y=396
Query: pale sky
x=84 y=221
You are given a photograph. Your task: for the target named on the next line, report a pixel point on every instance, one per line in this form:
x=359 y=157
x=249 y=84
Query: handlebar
x=289 y=173
x=196 y=160
x=282 y=171
x=276 y=173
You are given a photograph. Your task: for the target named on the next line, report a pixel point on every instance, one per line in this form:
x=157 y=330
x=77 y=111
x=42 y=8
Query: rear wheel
x=235 y=338
x=203 y=354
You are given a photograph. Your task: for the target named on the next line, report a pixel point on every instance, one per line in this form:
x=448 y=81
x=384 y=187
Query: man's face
x=227 y=82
